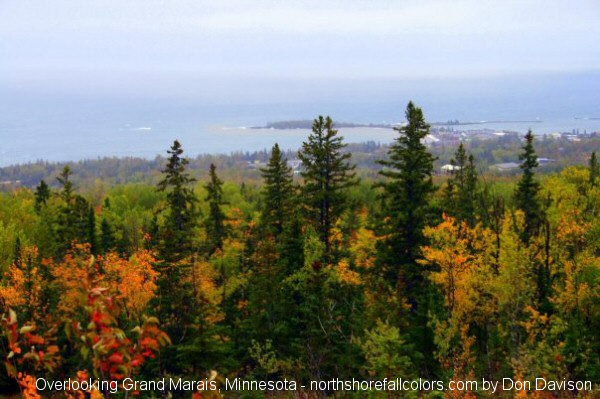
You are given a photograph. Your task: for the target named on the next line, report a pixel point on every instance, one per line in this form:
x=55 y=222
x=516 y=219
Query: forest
x=329 y=273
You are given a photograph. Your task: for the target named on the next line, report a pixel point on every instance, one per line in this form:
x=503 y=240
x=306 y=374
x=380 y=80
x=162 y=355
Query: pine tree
x=176 y=234
x=215 y=222
x=42 y=195
x=277 y=193
x=527 y=192
x=327 y=174
x=594 y=170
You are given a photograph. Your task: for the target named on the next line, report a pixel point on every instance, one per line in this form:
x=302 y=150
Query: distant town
x=449 y=134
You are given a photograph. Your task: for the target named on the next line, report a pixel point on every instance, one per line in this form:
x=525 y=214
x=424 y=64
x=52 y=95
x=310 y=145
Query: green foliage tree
x=176 y=249
x=460 y=194
x=408 y=185
x=535 y=230
x=91 y=230
x=327 y=175
x=278 y=192
x=527 y=192
x=325 y=314
x=107 y=237
x=42 y=195
x=176 y=233
x=17 y=256
x=215 y=221
x=66 y=194
x=407 y=191
x=594 y=167
x=387 y=354
x=73 y=222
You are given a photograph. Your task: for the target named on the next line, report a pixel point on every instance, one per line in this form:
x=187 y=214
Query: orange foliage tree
x=101 y=302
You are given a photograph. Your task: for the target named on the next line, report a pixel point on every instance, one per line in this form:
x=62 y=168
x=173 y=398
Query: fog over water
x=66 y=126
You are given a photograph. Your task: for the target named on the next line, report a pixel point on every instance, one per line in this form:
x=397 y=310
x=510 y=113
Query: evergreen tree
x=153 y=231
x=42 y=195
x=408 y=186
x=176 y=234
x=76 y=218
x=215 y=222
x=327 y=174
x=407 y=191
x=107 y=236
x=64 y=179
x=461 y=188
x=83 y=219
x=91 y=230
x=527 y=192
x=277 y=193
x=68 y=226
x=527 y=199
x=17 y=254
x=177 y=307
x=594 y=170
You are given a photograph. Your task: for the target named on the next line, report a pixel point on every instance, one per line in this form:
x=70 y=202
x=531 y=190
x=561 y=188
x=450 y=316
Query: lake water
x=59 y=129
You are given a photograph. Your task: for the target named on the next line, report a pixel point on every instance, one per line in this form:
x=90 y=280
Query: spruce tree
x=91 y=230
x=527 y=192
x=278 y=192
x=107 y=236
x=460 y=193
x=215 y=222
x=68 y=226
x=408 y=186
x=67 y=192
x=82 y=209
x=176 y=234
x=76 y=218
x=327 y=174
x=594 y=170
x=407 y=191
x=17 y=253
x=153 y=232
x=177 y=307
x=42 y=195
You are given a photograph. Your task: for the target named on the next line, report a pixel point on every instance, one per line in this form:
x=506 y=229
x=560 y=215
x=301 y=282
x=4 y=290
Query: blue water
x=64 y=127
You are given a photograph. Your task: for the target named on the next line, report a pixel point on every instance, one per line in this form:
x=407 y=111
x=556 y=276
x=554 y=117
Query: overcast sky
x=116 y=44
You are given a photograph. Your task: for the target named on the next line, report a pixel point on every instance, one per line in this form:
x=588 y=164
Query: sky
x=228 y=49
x=79 y=78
